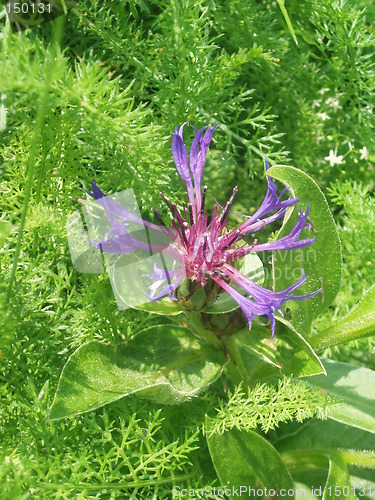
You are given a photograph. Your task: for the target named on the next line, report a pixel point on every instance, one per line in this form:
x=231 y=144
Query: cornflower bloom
x=202 y=247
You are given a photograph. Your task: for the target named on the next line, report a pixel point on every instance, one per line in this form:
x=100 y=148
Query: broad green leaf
x=338 y=479
x=258 y=370
x=325 y=434
x=308 y=467
x=355 y=386
x=303 y=491
x=288 y=350
x=360 y=322
x=168 y=363
x=252 y=267
x=5 y=229
x=324 y=472
x=363 y=483
x=321 y=260
x=317 y=438
x=247 y=459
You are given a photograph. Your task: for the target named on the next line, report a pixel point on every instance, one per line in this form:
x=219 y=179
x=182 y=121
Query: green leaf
x=360 y=322
x=364 y=484
x=288 y=350
x=247 y=459
x=303 y=491
x=325 y=434
x=324 y=472
x=252 y=267
x=355 y=386
x=258 y=370
x=5 y=229
x=168 y=363
x=321 y=260
x=287 y=20
x=166 y=307
x=326 y=438
x=338 y=480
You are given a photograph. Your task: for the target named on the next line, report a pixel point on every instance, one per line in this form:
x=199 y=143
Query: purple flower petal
x=123 y=243
x=263 y=295
x=163 y=274
x=270 y=203
x=169 y=288
x=265 y=302
x=114 y=209
x=248 y=307
x=194 y=150
x=198 y=153
x=180 y=158
x=118 y=240
x=290 y=241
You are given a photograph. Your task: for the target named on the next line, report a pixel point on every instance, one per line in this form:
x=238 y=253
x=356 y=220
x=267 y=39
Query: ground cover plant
x=251 y=363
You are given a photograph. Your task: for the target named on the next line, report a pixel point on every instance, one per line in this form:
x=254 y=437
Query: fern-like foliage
x=266 y=406
x=357 y=233
x=120 y=452
x=355 y=206
x=122 y=75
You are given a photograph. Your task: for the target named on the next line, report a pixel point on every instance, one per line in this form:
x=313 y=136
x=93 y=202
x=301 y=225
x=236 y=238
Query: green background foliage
x=97 y=93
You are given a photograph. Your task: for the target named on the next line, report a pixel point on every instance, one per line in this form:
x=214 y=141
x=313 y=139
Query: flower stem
x=228 y=344
x=238 y=367
x=194 y=320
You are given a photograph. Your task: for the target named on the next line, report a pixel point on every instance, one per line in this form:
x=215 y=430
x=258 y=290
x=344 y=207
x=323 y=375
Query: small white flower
x=364 y=153
x=323 y=116
x=316 y=103
x=323 y=91
x=334 y=103
x=334 y=159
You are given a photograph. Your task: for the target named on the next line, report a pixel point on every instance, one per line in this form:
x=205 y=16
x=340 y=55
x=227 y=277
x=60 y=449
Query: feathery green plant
x=96 y=94
x=266 y=406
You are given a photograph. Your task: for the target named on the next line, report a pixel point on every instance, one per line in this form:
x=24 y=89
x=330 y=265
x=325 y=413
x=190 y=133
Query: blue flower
x=203 y=248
